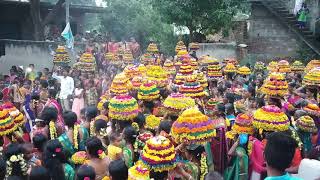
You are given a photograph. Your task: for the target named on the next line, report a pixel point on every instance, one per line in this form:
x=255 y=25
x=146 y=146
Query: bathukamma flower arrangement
x=270 y=118
x=231 y=60
x=136 y=82
x=148 y=92
x=147 y=58
x=230 y=68
x=312 y=109
x=312 y=64
x=127 y=56
x=131 y=71
x=87 y=62
x=176 y=102
x=120 y=84
x=159 y=154
x=169 y=67
x=194 y=64
x=7 y=124
x=185 y=69
x=211 y=106
x=297 y=66
x=61 y=57
x=272 y=66
x=123 y=107
x=182 y=52
x=152 y=48
x=202 y=79
x=205 y=60
x=192 y=88
x=157 y=75
x=152 y=122
x=16 y=115
x=214 y=70
x=259 y=66
x=275 y=85
x=306 y=124
x=138 y=172
x=284 y=66
x=312 y=78
x=243 y=124
x=180 y=46
x=193 y=127
x=79 y=157
x=244 y=70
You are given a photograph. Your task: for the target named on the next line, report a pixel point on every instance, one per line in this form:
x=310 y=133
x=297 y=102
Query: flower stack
x=306 y=124
x=142 y=139
x=152 y=122
x=152 y=48
x=157 y=75
x=193 y=127
x=142 y=69
x=275 y=85
x=312 y=109
x=138 y=172
x=194 y=64
x=169 y=67
x=243 y=124
x=192 y=88
x=312 y=78
x=214 y=71
x=273 y=66
x=179 y=80
x=194 y=46
x=15 y=114
x=147 y=58
x=284 y=66
x=182 y=53
x=109 y=57
x=136 y=82
x=131 y=71
x=102 y=100
x=270 y=118
x=186 y=69
x=7 y=124
x=123 y=107
x=127 y=56
x=87 y=62
x=180 y=46
x=244 y=70
x=148 y=92
x=120 y=84
x=79 y=158
x=175 y=103
x=202 y=79
x=297 y=66
x=312 y=64
x=205 y=60
x=230 y=68
x=158 y=154
x=61 y=56
x=211 y=106
x=259 y=66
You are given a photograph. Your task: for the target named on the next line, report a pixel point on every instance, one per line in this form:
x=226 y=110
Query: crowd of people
x=186 y=118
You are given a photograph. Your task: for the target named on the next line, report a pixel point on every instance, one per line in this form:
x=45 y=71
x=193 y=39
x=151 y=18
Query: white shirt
x=66 y=86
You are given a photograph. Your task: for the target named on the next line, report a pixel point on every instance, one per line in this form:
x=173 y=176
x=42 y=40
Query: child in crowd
x=114 y=149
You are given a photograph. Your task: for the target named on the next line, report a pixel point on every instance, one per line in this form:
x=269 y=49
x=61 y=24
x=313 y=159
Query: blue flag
x=67 y=34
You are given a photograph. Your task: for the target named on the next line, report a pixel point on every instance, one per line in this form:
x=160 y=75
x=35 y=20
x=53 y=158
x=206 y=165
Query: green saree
x=69 y=147
x=239 y=166
x=69 y=173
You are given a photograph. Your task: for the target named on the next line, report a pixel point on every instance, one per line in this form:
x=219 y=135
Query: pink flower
x=57 y=150
x=100 y=151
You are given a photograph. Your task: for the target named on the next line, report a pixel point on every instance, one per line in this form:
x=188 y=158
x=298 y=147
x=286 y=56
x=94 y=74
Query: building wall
x=268 y=38
x=218 y=50
x=23 y=53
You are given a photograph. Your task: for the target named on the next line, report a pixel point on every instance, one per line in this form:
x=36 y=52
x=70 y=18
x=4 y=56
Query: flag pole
x=67 y=11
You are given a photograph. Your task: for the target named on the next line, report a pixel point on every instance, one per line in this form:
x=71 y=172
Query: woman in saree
x=54 y=159
x=130 y=135
x=74 y=138
x=52 y=102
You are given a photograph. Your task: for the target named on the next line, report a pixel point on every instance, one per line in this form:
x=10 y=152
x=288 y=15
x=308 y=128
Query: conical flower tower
x=202 y=79
x=120 y=84
x=152 y=48
x=312 y=64
x=169 y=67
x=175 y=103
x=284 y=66
x=157 y=75
x=214 y=71
x=87 y=62
x=128 y=57
x=184 y=71
x=192 y=88
x=275 y=85
x=312 y=78
x=244 y=70
x=297 y=67
x=180 y=46
x=194 y=46
x=61 y=57
x=147 y=58
x=273 y=66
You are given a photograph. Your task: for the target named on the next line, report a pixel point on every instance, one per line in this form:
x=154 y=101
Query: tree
x=137 y=18
x=38 y=23
x=203 y=16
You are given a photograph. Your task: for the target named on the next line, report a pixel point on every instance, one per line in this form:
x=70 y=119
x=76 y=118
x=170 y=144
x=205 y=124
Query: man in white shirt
x=66 y=89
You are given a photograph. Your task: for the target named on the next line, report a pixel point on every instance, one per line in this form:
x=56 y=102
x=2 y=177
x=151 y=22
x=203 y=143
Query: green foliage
x=137 y=18
x=204 y=16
